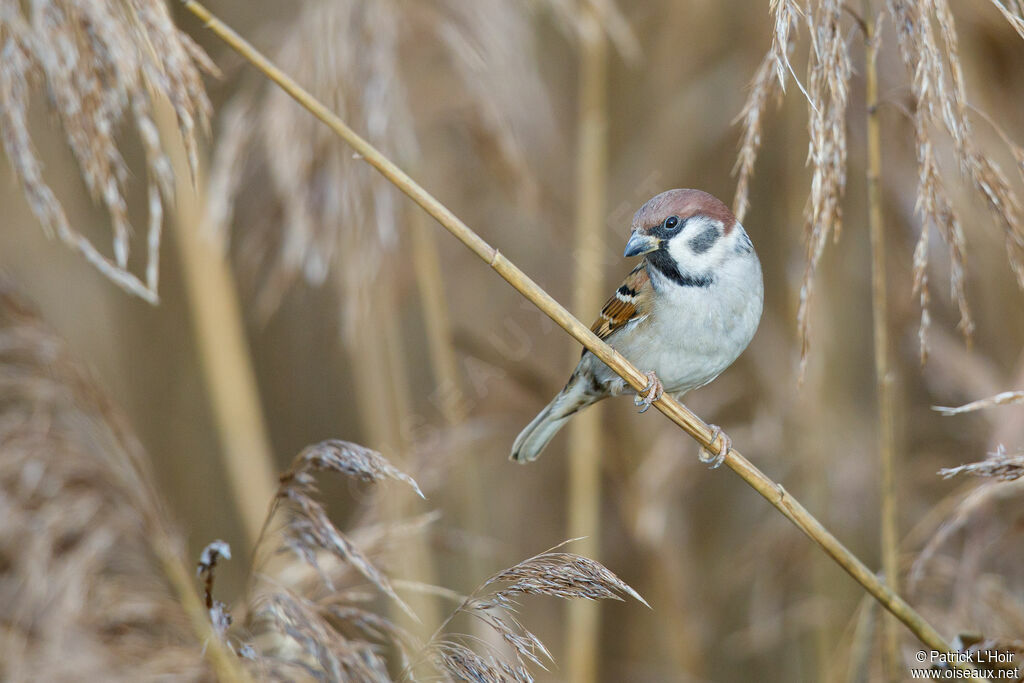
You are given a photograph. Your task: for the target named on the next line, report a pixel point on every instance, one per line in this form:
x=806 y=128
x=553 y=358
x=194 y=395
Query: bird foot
x=716 y=459
x=650 y=393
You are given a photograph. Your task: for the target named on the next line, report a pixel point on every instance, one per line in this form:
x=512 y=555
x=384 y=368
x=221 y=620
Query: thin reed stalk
x=584 y=513
x=679 y=414
x=422 y=560
x=220 y=338
x=885 y=394
x=367 y=358
x=377 y=412
x=444 y=365
x=380 y=379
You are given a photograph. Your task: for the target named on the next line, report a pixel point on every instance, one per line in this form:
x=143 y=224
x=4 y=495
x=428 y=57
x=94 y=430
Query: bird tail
x=536 y=435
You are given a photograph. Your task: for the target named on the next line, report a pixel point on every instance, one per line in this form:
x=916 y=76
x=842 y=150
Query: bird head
x=686 y=233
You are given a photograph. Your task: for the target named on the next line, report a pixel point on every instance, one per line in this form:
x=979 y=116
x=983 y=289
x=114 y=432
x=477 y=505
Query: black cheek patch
x=704 y=241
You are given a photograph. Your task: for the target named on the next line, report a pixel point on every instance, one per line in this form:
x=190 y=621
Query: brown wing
x=631 y=301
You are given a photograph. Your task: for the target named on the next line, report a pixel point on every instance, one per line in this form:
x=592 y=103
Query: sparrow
x=685 y=313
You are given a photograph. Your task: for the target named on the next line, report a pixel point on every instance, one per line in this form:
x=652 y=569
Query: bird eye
x=671 y=222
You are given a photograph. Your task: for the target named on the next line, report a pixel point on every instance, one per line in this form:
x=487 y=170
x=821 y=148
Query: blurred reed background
x=340 y=312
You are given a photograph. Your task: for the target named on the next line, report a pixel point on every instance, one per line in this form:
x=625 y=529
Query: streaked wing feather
x=631 y=302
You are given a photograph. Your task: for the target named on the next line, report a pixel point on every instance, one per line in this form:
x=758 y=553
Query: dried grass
x=559 y=575
x=967 y=572
x=100 y=64
x=968 y=506
x=1006 y=398
x=309 y=644
x=828 y=94
x=314 y=619
x=1014 y=14
x=317 y=202
x=998 y=465
x=983 y=514
x=308 y=529
x=928 y=43
x=304 y=624
x=320 y=212
x=83 y=595
x=466 y=665
x=494 y=603
x=940 y=98
x=358 y=609
x=769 y=80
x=764 y=85
x=488 y=49
x=786 y=15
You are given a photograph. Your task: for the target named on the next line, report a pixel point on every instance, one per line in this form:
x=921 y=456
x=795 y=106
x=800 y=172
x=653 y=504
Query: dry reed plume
x=100 y=65
x=312 y=616
x=90 y=577
x=309 y=527
x=553 y=574
x=320 y=212
x=998 y=465
x=323 y=624
x=1006 y=398
x=939 y=102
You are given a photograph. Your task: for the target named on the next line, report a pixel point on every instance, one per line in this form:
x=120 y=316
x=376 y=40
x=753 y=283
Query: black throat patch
x=661 y=261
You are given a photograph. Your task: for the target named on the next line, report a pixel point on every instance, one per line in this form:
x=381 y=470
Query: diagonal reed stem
x=679 y=414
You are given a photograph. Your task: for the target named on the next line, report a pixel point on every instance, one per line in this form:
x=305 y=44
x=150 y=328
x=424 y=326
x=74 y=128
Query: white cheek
x=689 y=262
x=679 y=250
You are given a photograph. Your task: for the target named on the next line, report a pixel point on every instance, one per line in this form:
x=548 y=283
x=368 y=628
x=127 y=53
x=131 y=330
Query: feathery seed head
x=101 y=65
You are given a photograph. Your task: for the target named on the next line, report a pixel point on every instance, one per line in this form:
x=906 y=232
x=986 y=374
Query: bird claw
x=650 y=393
x=716 y=459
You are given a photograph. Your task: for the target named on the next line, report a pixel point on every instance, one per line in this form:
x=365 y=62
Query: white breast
x=694 y=333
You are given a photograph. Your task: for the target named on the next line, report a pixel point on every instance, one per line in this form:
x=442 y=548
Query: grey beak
x=640 y=244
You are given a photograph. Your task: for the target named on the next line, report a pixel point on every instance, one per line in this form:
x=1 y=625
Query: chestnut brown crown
x=682 y=204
